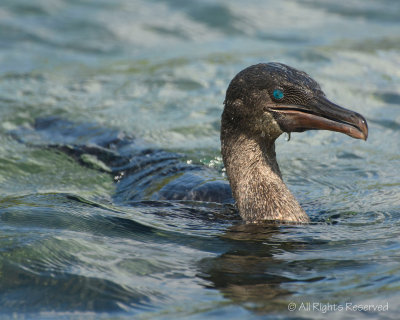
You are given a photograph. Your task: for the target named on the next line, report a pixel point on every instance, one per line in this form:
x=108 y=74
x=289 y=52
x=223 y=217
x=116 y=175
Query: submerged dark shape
x=262 y=102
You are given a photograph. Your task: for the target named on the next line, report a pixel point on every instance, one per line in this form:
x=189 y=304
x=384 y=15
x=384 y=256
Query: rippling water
x=159 y=70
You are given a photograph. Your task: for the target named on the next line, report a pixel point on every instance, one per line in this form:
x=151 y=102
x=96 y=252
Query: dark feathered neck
x=255 y=178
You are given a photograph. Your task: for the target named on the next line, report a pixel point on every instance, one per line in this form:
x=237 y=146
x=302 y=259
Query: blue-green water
x=158 y=70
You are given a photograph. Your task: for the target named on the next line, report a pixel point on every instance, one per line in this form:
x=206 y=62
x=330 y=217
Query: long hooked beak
x=321 y=114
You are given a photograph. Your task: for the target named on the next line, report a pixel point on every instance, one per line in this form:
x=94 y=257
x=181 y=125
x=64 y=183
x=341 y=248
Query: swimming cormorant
x=261 y=103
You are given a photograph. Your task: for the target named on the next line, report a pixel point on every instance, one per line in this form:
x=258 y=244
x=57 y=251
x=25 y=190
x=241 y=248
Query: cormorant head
x=268 y=99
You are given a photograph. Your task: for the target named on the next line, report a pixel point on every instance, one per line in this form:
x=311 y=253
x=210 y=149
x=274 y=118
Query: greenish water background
x=159 y=70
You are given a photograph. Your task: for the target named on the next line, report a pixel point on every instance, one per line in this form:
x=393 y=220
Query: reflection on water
x=158 y=70
x=249 y=273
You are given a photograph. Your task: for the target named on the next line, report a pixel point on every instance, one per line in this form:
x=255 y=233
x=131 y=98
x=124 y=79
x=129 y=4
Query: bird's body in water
x=262 y=102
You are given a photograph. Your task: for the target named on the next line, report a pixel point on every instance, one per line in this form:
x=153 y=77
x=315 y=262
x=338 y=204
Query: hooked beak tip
x=362 y=126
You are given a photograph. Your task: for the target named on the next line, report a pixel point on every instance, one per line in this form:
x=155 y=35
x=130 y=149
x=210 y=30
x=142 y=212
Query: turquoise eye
x=278 y=94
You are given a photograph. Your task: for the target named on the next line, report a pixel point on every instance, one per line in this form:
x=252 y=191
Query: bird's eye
x=278 y=94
